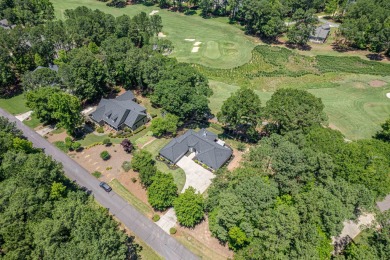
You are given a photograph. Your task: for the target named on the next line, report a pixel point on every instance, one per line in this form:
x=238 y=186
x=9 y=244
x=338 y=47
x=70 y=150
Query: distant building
x=120 y=112
x=320 y=34
x=51 y=67
x=5 y=25
x=207 y=147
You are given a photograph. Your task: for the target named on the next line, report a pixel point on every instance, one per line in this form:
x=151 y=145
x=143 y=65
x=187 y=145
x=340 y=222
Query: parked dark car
x=105 y=186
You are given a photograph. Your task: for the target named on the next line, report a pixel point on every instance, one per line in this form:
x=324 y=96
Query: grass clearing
x=15 y=105
x=178 y=174
x=198 y=248
x=129 y=197
x=234 y=46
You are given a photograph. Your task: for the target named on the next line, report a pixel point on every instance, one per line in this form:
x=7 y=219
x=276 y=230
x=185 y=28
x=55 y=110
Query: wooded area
x=44 y=215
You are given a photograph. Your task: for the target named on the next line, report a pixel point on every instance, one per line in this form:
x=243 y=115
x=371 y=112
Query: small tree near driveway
x=189 y=207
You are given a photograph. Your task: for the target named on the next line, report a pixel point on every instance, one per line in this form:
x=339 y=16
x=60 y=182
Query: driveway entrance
x=196 y=176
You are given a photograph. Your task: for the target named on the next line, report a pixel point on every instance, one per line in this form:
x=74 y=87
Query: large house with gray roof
x=320 y=34
x=120 y=112
x=208 y=149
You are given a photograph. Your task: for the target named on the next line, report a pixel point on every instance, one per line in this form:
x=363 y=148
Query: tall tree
x=162 y=192
x=293 y=109
x=189 y=207
x=85 y=75
x=241 y=112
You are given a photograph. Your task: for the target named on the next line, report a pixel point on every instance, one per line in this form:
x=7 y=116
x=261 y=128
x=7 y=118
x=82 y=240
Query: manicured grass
x=129 y=197
x=33 y=122
x=352 y=105
x=178 y=174
x=198 y=248
x=15 y=105
x=223 y=45
x=61 y=145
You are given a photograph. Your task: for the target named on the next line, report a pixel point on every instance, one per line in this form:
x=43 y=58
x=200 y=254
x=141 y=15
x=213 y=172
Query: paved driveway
x=196 y=176
x=144 y=228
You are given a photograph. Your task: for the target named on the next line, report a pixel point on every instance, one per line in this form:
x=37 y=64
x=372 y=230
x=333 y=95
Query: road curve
x=141 y=226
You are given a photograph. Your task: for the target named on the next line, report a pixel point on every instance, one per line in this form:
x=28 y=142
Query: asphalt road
x=144 y=228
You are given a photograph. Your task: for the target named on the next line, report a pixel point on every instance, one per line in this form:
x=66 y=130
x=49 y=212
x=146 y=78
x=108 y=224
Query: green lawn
x=178 y=174
x=129 y=197
x=15 y=105
x=352 y=105
x=223 y=45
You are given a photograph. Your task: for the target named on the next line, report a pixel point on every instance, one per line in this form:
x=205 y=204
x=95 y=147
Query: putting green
x=223 y=45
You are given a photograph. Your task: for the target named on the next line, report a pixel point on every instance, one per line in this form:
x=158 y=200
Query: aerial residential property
x=187 y=130
x=320 y=34
x=120 y=112
x=207 y=147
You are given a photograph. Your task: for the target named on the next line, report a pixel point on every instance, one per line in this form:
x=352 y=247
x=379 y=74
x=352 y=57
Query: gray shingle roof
x=51 y=67
x=118 y=111
x=207 y=150
x=321 y=33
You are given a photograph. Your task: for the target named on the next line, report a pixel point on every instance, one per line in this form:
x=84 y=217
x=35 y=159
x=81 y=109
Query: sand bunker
x=388 y=95
x=196 y=49
x=161 y=35
x=189 y=40
x=197 y=43
x=377 y=83
x=153 y=12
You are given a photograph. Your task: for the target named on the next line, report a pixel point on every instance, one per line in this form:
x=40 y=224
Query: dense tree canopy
x=42 y=215
x=51 y=105
x=143 y=163
x=367 y=25
x=293 y=193
x=293 y=109
x=241 y=111
x=27 y=12
x=189 y=207
x=183 y=92
x=162 y=192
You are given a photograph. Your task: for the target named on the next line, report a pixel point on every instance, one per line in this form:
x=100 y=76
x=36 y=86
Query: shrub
x=97 y=174
x=134 y=180
x=127 y=146
x=68 y=143
x=126 y=166
x=107 y=142
x=241 y=147
x=61 y=145
x=139 y=129
x=156 y=217
x=172 y=231
x=100 y=130
x=105 y=155
x=76 y=146
x=153 y=115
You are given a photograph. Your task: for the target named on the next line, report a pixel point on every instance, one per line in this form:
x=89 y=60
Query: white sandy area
x=197 y=43
x=189 y=40
x=161 y=35
x=388 y=95
x=195 y=49
x=153 y=12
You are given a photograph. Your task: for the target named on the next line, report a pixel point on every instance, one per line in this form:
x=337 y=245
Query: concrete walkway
x=384 y=204
x=45 y=131
x=197 y=177
x=24 y=116
x=351 y=230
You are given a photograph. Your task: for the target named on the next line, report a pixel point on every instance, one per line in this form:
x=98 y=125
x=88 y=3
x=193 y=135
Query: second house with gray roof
x=207 y=147
x=120 y=112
